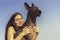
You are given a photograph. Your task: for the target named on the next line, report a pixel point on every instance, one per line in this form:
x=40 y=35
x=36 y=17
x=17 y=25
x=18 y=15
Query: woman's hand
x=26 y=30
x=36 y=29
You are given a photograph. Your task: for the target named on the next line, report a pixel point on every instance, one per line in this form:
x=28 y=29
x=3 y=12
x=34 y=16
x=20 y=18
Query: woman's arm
x=23 y=33
x=10 y=34
x=19 y=37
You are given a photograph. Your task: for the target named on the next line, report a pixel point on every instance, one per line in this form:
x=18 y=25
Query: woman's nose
x=20 y=20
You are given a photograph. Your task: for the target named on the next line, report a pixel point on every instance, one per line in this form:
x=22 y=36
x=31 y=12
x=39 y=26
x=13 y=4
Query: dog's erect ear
x=33 y=5
x=26 y=6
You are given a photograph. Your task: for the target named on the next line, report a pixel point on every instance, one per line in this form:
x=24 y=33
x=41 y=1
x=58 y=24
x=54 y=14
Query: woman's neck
x=17 y=27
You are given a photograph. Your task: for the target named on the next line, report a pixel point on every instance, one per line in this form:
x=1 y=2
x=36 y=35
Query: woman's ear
x=26 y=6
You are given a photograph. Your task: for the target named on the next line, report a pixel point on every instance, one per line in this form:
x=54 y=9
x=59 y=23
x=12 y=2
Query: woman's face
x=19 y=20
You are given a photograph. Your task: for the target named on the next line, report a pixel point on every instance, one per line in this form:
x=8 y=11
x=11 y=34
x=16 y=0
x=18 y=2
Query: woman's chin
x=19 y=25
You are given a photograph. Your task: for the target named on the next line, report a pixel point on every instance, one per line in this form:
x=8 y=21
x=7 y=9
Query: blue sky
x=48 y=23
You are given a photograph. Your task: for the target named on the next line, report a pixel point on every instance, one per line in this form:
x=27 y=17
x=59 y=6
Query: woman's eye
x=17 y=19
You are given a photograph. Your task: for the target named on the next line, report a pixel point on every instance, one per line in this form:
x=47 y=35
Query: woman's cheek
x=16 y=22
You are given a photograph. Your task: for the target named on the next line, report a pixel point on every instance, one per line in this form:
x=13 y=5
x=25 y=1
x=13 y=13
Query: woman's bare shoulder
x=10 y=28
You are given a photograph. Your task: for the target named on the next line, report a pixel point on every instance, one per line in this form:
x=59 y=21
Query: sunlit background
x=48 y=22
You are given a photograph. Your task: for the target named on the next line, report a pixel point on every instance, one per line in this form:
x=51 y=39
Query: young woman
x=16 y=21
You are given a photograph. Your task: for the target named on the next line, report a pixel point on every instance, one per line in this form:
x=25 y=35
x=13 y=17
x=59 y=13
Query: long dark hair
x=11 y=23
